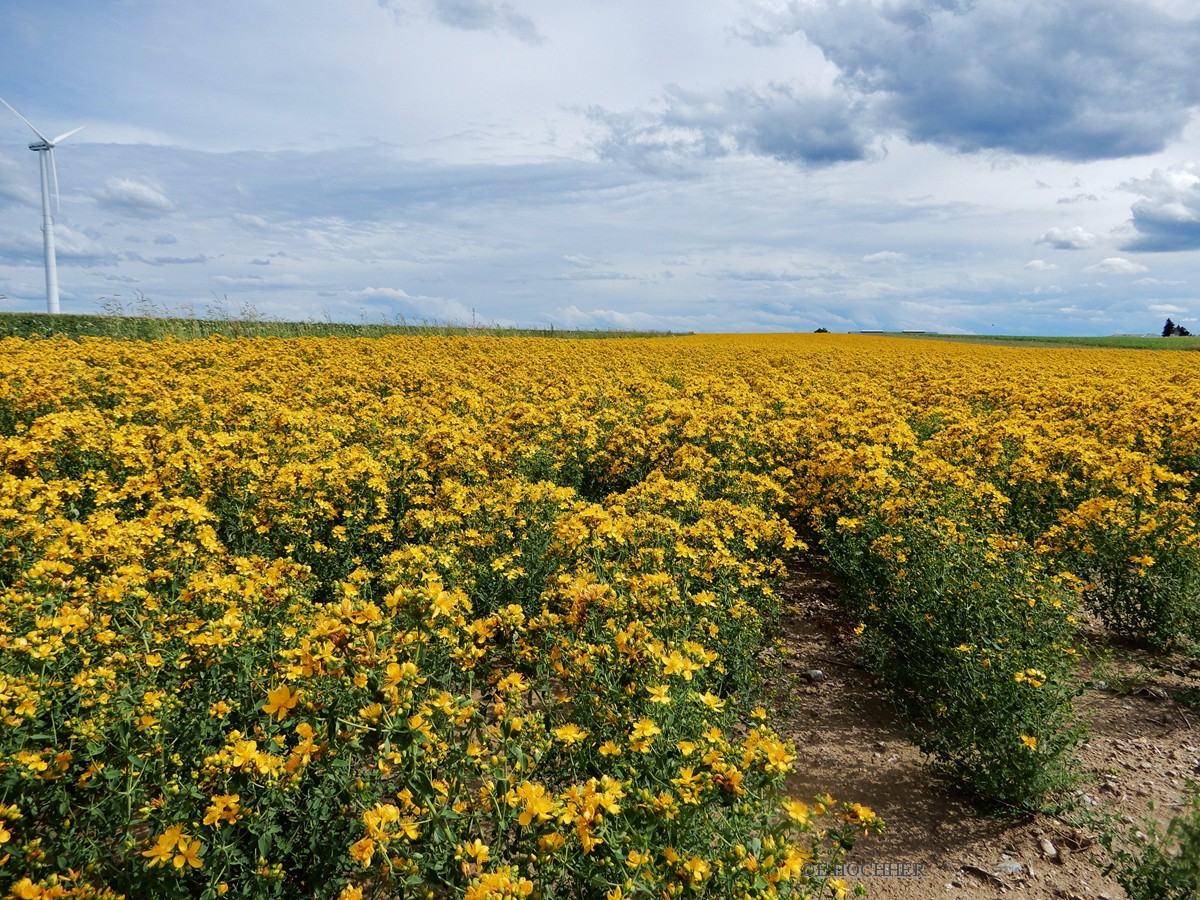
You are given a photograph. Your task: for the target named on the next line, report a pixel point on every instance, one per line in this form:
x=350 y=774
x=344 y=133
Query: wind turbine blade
x=25 y=120
x=63 y=137
x=54 y=175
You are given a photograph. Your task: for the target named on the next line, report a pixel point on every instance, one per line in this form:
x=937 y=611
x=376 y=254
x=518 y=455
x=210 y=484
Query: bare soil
x=1141 y=748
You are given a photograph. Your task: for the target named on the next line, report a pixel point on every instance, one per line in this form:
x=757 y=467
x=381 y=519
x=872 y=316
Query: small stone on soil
x=1048 y=849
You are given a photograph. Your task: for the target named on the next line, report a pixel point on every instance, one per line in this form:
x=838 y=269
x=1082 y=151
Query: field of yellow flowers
x=483 y=617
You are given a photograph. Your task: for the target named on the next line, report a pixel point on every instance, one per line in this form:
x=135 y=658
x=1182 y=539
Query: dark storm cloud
x=1167 y=217
x=1066 y=79
x=794 y=128
x=813 y=130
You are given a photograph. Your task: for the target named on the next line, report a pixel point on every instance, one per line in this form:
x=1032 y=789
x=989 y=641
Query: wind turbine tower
x=44 y=147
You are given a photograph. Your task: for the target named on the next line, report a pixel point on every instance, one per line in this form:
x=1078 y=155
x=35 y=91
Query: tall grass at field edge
x=151 y=328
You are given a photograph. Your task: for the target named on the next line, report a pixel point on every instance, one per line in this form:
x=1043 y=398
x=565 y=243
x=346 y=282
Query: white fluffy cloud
x=1073 y=238
x=134 y=198
x=1167 y=217
x=1116 y=265
x=840 y=163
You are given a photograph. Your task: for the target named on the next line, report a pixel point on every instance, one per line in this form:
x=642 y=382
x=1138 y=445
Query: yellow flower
x=27 y=707
x=372 y=711
x=32 y=761
x=797 y=811
x=644 y=729
x=189 y=854
x=165 y=847
x=1030 y=742
x=280 y=700
x=570 y=734
x=219 y=710
x=362 y=851
x=697 y=870
x=159 y=854
x=552 y=842
x=476 y=849
x=659 y=693
x=537 y=804
x=379 y=817
x=224 y=808
x=859 y=814
x=675 y=663
x=514 y=682
x=399 y=673
x=1035 y=677
x=244 y=754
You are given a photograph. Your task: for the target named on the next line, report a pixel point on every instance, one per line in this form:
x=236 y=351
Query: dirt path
x=1142 y=746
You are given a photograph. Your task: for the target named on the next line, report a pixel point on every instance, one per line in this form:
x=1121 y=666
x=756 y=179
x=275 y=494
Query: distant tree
x=1173 y=330
x=821 y=331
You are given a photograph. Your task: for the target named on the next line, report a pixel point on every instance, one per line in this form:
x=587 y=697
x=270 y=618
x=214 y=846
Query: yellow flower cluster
x=482 y=614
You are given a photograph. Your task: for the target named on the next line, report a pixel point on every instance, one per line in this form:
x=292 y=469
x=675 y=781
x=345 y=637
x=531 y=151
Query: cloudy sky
x=994 y=166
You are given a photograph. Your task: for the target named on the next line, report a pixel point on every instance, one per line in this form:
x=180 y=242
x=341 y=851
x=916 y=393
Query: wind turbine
x=45 y=148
